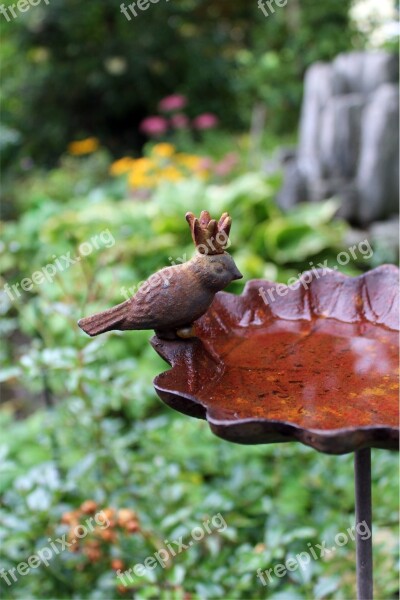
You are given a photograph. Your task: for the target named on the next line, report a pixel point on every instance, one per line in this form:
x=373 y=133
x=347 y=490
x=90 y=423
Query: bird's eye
x=219 y=269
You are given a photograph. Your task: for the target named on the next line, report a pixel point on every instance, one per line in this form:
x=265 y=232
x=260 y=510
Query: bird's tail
x=113 y=318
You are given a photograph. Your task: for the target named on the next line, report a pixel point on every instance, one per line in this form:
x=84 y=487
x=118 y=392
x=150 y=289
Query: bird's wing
x=160 y=299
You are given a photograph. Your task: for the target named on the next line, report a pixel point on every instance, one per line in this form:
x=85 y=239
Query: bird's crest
x=209 y=236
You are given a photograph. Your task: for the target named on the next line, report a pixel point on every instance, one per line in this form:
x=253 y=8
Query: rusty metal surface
x=174 y=297
x=317 y=364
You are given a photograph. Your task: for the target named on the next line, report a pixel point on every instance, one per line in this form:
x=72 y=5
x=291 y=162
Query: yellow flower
x=171 y=173
x=142 y=164
x=163 y=150
x=137 y=179
x=121 y=166
x=189 y=161
x=142 y=173
x=86 y=146
x=197 y=165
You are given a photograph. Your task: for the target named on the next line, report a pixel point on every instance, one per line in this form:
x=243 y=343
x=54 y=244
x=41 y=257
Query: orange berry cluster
x=112 y=522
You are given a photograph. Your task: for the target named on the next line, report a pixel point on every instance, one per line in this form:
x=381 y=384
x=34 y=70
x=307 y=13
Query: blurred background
x=115 y=122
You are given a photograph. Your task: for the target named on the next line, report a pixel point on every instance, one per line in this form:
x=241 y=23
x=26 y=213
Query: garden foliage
x=93 y=429
x=94 y=72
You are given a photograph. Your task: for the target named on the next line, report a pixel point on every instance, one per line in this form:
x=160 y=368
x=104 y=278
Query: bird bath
x=316 y=363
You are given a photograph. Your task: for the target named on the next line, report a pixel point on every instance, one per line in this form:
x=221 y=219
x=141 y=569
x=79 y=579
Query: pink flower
x=171 y=103
x=206 y=163
x=179 y=121
x=154 y=126
x=227 y=164
x=205 y=121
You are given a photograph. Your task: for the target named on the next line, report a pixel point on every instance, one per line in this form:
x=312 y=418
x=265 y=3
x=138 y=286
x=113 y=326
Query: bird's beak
x=237 y=274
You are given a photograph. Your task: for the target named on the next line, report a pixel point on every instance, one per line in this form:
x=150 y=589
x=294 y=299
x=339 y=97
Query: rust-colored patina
x=317 y=364
x=173 y=298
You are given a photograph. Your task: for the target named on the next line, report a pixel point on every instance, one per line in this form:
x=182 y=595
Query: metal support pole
x=362 y=477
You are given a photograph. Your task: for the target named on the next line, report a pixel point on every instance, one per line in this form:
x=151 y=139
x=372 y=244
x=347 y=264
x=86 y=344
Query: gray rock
x=386 y=230
x=348 y=144
x=347 y=73
x=384 y=236
x=363 y=72
x=317 y=91
x=378 y=170
x=340 y=135
x=294 y=187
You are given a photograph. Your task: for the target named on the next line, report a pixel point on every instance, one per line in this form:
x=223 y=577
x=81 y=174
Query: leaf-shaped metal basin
x=316 y=362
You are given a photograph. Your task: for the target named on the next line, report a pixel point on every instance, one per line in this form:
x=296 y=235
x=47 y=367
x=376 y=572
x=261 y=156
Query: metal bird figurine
x=174 y=297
